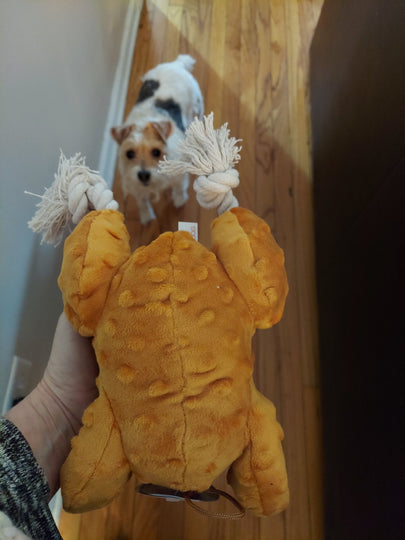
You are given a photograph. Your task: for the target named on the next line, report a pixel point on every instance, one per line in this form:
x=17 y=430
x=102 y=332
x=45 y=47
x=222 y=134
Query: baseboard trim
x=7 y=401
x=108 y=153
x=19 y=383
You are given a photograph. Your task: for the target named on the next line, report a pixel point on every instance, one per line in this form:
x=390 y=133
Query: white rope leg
x=209 y=154
x=215 y=190
x=75 y=191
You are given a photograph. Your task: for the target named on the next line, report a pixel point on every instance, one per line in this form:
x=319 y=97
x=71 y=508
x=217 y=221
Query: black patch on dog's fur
x=173 y=108
x=147 y=90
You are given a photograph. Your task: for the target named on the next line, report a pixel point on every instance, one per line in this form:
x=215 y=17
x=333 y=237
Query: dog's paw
x=147 y=218
x=179 y=197
x=146 y=212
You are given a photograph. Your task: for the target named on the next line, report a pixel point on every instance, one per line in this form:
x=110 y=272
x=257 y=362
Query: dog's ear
x=162 y=129
x=120 y=133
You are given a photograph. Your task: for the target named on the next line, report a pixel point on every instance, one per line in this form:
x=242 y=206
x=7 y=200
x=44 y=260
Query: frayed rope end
x=75 y=191
x=211 y=155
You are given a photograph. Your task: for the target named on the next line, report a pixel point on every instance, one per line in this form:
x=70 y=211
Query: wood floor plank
x=94 y=525
x=313 y=441
x=252 y=66
x=247 y=106
x=297 y=520
x=214 y=91
x=264 y=203
x=231 y=72
x=301 y=24
x=267 y=343
x=69 y=526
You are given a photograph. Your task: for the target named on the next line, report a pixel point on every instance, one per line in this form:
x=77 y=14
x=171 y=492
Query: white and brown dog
x=168 y=101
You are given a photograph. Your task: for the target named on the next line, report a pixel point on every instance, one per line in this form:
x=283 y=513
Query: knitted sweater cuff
x=24 y=490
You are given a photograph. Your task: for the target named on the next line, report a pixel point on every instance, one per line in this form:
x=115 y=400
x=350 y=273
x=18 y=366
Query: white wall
x=57 y=65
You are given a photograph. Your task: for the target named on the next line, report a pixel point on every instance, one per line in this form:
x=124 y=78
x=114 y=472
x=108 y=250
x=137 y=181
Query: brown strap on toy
x=219 y=515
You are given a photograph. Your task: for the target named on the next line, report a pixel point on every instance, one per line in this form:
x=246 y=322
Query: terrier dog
x=169 y=100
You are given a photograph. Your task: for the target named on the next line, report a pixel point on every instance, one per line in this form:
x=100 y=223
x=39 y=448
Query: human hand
x=50 y=416
x=71 y=371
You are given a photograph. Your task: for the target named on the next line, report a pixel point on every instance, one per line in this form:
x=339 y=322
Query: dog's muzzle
x=144 y=176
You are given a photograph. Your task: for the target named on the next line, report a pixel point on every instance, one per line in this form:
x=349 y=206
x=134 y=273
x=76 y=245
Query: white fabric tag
x=190 y=227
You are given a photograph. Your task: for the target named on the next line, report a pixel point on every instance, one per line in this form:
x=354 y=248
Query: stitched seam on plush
x=80 y=280
x=69 y=299
x=115 y=423
x=239 y=292
x=108 y=286
x=175 y=338
x=226 y=272
x=104 y=449
x=251 y=452
x=118 y=268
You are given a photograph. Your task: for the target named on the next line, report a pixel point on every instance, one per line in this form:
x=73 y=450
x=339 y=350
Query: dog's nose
x=144 y=176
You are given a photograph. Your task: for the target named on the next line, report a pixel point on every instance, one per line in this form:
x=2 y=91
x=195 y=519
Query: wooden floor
x=252 y=66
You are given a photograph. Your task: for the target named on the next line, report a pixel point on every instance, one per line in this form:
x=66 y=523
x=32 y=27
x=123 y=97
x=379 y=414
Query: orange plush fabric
x=172 y=326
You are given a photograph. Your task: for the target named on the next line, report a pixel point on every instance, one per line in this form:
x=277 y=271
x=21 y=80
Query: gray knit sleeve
x=24 y=490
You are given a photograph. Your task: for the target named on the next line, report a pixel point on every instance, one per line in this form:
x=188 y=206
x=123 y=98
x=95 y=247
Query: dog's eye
x=156 y=152
x=130 y=154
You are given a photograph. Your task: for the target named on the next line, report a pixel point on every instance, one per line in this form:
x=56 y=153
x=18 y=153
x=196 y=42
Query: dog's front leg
x=180 y=190
x=146 y=212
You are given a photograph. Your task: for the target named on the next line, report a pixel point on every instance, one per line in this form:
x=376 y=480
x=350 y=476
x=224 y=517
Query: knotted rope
x=75 y=191
x=210 y=155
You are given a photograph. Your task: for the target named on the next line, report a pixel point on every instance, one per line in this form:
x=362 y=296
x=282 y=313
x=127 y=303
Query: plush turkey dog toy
x=172 y=325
